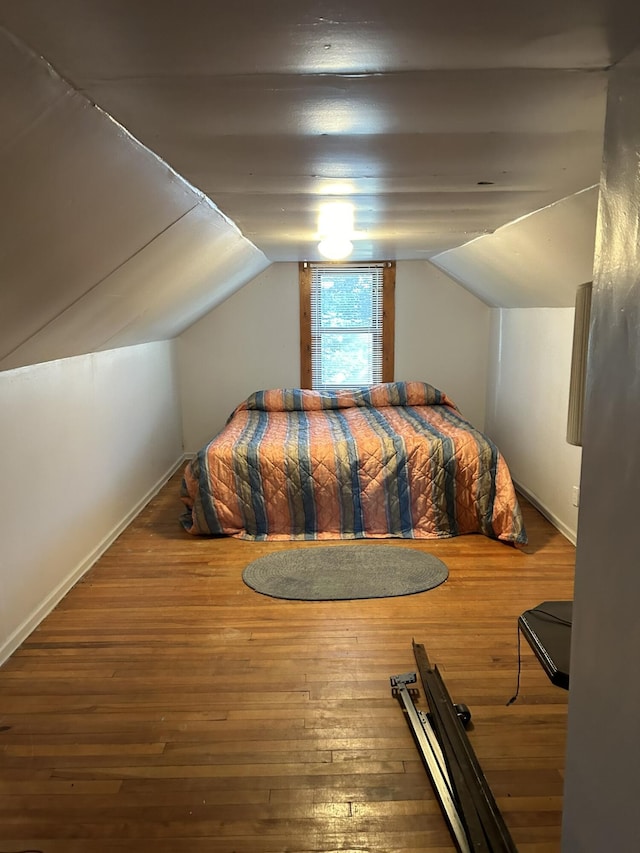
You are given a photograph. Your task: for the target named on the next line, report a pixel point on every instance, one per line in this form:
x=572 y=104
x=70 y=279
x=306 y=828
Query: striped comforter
x=392 y=460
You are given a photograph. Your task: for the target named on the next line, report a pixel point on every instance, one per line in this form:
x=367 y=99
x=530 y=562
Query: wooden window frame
x=388 y=317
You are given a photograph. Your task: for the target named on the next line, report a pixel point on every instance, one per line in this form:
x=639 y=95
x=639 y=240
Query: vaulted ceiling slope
x=536 y=261
x=103 y=245
x=443 y=123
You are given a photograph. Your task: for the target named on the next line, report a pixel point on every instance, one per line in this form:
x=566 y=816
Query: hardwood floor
x=164 y=706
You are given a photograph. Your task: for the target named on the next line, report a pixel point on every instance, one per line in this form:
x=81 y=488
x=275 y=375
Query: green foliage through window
x=346 y=326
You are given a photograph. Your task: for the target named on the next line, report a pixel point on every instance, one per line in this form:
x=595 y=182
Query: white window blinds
x=346 y=325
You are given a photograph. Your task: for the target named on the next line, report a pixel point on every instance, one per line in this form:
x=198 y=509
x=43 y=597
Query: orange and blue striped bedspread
x=392 y=460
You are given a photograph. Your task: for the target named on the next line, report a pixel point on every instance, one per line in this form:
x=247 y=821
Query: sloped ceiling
x=103 y=244
x=443 y=123
x=538 y=260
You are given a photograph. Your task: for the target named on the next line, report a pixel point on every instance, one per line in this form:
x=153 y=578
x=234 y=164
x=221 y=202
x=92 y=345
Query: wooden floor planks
x=165 y=706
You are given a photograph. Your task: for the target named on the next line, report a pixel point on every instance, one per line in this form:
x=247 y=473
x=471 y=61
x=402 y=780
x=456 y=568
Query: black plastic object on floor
x=547 y=629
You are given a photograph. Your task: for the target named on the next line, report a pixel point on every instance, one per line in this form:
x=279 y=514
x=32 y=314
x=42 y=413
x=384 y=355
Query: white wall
x=527 y=407
x=442 y=336
x=251 y=342
x=84 y=442
x=603 y=744
x=248 y=343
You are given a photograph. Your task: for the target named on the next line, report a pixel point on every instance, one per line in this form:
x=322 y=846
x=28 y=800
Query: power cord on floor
x=542 y=612
x=515 y=695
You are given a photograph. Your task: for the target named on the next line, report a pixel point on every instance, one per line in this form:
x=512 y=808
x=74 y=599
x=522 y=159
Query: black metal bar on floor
x=461 y=791
x=432 y=758
x=480 y=814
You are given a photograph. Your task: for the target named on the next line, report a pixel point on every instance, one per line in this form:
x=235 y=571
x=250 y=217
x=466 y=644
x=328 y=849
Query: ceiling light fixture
x=335 y=229
x=335 y=248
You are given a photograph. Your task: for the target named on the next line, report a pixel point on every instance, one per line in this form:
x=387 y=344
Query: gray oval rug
x=339 y=572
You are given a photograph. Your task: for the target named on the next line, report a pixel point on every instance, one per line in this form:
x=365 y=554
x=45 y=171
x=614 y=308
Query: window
x=346 y=324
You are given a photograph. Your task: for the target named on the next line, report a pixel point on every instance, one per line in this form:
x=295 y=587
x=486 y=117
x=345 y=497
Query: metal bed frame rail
x=466 y=800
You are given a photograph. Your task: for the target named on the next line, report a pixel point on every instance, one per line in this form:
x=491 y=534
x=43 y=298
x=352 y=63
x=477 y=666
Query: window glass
x=346 y=324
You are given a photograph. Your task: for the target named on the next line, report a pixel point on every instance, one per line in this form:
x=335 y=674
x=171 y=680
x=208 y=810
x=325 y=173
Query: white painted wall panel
x=83 y=443
x=251 y=342
x=528 y=404
x=442 y=336
x=603 y=744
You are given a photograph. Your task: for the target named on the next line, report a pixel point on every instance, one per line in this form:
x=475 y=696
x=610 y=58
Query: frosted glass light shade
x=335 y=248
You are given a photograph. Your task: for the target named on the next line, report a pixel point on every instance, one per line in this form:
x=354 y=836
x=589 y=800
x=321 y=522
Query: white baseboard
x=566 y=531
x=22 y=632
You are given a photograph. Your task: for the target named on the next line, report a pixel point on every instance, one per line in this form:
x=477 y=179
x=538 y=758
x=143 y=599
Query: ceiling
x=440 y=122
x=157 y=156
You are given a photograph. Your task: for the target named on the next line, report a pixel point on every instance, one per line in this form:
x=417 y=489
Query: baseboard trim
x=566 y=531
x=31 y=623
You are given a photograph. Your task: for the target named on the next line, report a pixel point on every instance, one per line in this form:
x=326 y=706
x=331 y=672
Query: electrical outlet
x=576 y=496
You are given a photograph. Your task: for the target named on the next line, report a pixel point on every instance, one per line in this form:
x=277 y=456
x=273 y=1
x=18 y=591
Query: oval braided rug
x=336 y=572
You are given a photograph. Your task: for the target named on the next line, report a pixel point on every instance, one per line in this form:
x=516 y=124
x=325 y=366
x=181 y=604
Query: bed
x=390 y=460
